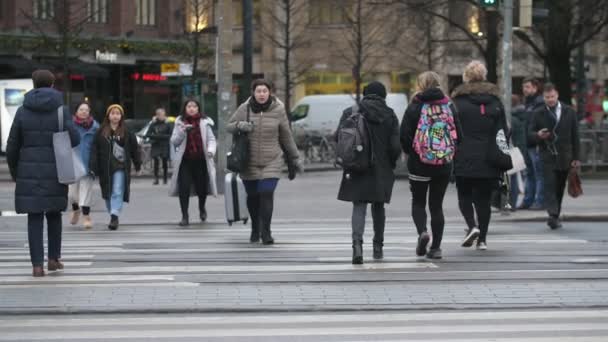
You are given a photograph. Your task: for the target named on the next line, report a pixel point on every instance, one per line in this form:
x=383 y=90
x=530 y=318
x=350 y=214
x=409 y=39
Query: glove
x=91 y=174
x=244 y=126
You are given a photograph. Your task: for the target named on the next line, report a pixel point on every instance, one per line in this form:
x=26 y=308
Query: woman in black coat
x=430 y=174
x=477 y=164
x=113 y=152
x=159 y=134
x=374 y=186
x=31 y=161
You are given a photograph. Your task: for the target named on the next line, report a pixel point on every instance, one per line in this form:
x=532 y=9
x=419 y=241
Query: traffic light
x=489 y=3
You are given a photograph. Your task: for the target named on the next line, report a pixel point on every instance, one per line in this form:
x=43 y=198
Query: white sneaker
x=470 y=238
x=481 y=246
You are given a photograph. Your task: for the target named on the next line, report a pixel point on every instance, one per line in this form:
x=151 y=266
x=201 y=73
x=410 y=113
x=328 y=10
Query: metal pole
x=247 y=44
x=507 y=57
x=225 y=99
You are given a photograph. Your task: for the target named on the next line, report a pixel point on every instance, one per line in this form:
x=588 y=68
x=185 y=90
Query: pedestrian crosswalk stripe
x=28 y=263
x=114 y=283
x=75 y=279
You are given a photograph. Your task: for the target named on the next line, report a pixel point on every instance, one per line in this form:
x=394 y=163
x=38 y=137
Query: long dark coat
x=159 y=134
x=375 y=185
x=101 y=154
x=30 y=156
x=565 y=137
x=481 y=116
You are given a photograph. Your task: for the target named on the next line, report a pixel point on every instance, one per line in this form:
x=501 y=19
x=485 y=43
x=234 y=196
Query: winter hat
x=375 y=88
x=113 y=106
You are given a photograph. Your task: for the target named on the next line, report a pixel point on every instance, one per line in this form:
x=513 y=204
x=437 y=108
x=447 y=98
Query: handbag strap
x=60 y=117
x=248 y=111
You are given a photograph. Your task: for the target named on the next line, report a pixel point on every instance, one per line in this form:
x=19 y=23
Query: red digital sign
x=148 y=77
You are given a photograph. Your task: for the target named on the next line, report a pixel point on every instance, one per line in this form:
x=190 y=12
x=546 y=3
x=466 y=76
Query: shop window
x=237 y=10
x=146 y=12
x=97 y=11
x=198 y=15
x=44 y=9
x=327 y=12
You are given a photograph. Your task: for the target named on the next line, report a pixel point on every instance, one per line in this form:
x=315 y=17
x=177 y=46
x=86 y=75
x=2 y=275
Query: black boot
x=357 y=252
x=155 y=181
x=185 y=221
x=379 y=218
x=201 y=208
x=253 y=205
x=113 y=222
x=266 y=208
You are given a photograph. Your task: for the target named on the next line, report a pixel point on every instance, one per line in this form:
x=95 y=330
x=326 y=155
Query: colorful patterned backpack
x=436 y=135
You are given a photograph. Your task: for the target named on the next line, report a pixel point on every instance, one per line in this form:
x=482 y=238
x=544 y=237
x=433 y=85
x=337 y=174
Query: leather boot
x=253 y=205
x=54 y=265
x=379 y=219
x=37 y=271
x=266 y=208
x=357 y=252
x=185 y=221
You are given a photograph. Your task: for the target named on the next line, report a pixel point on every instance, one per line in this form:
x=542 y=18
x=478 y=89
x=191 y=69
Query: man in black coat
x=534 y=190
x=376 y=184
x=32 y=165
x=159 y=134
x=554 y=129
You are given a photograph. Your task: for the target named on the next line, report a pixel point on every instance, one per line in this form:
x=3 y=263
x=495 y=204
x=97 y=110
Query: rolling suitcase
x=235 y=199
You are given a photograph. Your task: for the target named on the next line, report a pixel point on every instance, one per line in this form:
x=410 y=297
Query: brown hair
x=515 y=100
x=106 y=128
x=547 y=87
x=427 y=80
x=43 y=78
x=259 y=82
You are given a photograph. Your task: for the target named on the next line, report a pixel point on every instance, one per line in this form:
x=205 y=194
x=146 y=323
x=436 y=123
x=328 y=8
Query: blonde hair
x=427 y=80
x=474 y=72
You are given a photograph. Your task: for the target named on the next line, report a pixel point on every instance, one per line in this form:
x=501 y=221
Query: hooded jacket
x=30 y=154
x=409 y=125
x=481 y=116
x=376 y=184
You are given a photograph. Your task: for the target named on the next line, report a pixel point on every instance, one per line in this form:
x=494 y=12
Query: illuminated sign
x=148 y=77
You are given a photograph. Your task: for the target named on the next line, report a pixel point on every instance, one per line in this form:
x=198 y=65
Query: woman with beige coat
x=269 y=138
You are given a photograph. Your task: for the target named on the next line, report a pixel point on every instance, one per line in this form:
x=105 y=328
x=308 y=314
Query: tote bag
x=67 y=158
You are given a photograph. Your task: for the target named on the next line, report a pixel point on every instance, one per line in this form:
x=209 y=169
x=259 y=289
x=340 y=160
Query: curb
x=288 y=309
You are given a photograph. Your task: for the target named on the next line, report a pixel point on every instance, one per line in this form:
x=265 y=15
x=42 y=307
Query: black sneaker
x=203 y=215
x=434 y=254
x=471 y=236
x=378 y=253
x=423 y=241
x=554 y=223
x=113 y=223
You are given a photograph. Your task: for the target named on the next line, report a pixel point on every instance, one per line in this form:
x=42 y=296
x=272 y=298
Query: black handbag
x=238 y=157
x=497 y=153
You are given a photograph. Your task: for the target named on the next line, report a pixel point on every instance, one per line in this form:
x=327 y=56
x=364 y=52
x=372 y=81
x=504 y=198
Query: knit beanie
x=113 y=106
x=375 y=88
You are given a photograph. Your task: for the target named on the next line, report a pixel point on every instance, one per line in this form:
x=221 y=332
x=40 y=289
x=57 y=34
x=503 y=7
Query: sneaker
x=113 y=223
x=482 y=246
x=434 y=254
x=554 y=223
x=470 y=237
x=423 y=241
x=75 y=217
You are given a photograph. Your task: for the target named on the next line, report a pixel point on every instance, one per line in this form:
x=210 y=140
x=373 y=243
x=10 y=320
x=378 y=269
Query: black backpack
x=354 y=151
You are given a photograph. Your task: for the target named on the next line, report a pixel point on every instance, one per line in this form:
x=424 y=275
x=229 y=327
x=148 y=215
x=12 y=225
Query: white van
x=319 y=115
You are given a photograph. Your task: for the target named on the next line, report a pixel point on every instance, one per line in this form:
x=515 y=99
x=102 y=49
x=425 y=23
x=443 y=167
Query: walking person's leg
x=358 y=228
x=165 y=169
x=561 y=179
x=53 y=222
x=35 y=223
x=530 y=188
x=465 y=203
x=539 y=173
x=482 y=196
x=253 y=206
x=184 y=182
x=437 y=189
x=156 y=165
x=86 y=199
x=73 y=198
x=379 y=218
x=419 y=194
x=200 y=178
x=117 y=198
x=266 y=188
x=551 y=199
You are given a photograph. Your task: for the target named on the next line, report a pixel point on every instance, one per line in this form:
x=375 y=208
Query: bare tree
x=68 y=18
x=198 y=16
x=286 y=32
x=569 y=25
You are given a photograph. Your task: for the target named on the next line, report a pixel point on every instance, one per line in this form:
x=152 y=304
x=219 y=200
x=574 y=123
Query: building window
x=44 y=9
x=327 y=12
x=146 y=12
x=237 y=6
x=198 y=15
x=97 y=11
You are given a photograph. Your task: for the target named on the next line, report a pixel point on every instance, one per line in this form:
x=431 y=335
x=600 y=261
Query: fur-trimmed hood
x=476 y=88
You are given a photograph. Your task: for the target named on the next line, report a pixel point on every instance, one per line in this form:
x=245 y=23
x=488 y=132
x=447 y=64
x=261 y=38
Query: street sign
x=176 y=69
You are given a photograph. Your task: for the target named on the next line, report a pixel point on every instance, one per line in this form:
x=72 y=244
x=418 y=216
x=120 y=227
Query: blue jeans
x=114 y=203
x=535 y=181
x=514 y=191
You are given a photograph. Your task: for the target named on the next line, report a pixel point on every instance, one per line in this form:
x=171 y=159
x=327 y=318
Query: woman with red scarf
x=81 y=192
x=193 y=165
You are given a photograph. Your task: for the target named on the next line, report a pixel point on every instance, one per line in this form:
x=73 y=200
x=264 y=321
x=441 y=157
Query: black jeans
x=436 y=189
x=555 y=184
x=35 y=226
x=193 y=172
x=156 y=167
x=474 y=197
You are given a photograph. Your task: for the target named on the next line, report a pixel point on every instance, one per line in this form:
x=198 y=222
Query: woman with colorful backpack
x=429 y=135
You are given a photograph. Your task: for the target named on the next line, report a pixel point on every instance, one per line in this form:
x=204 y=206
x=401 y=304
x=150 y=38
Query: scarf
x=260 y=107
x=194 y=144
x=84 y=123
